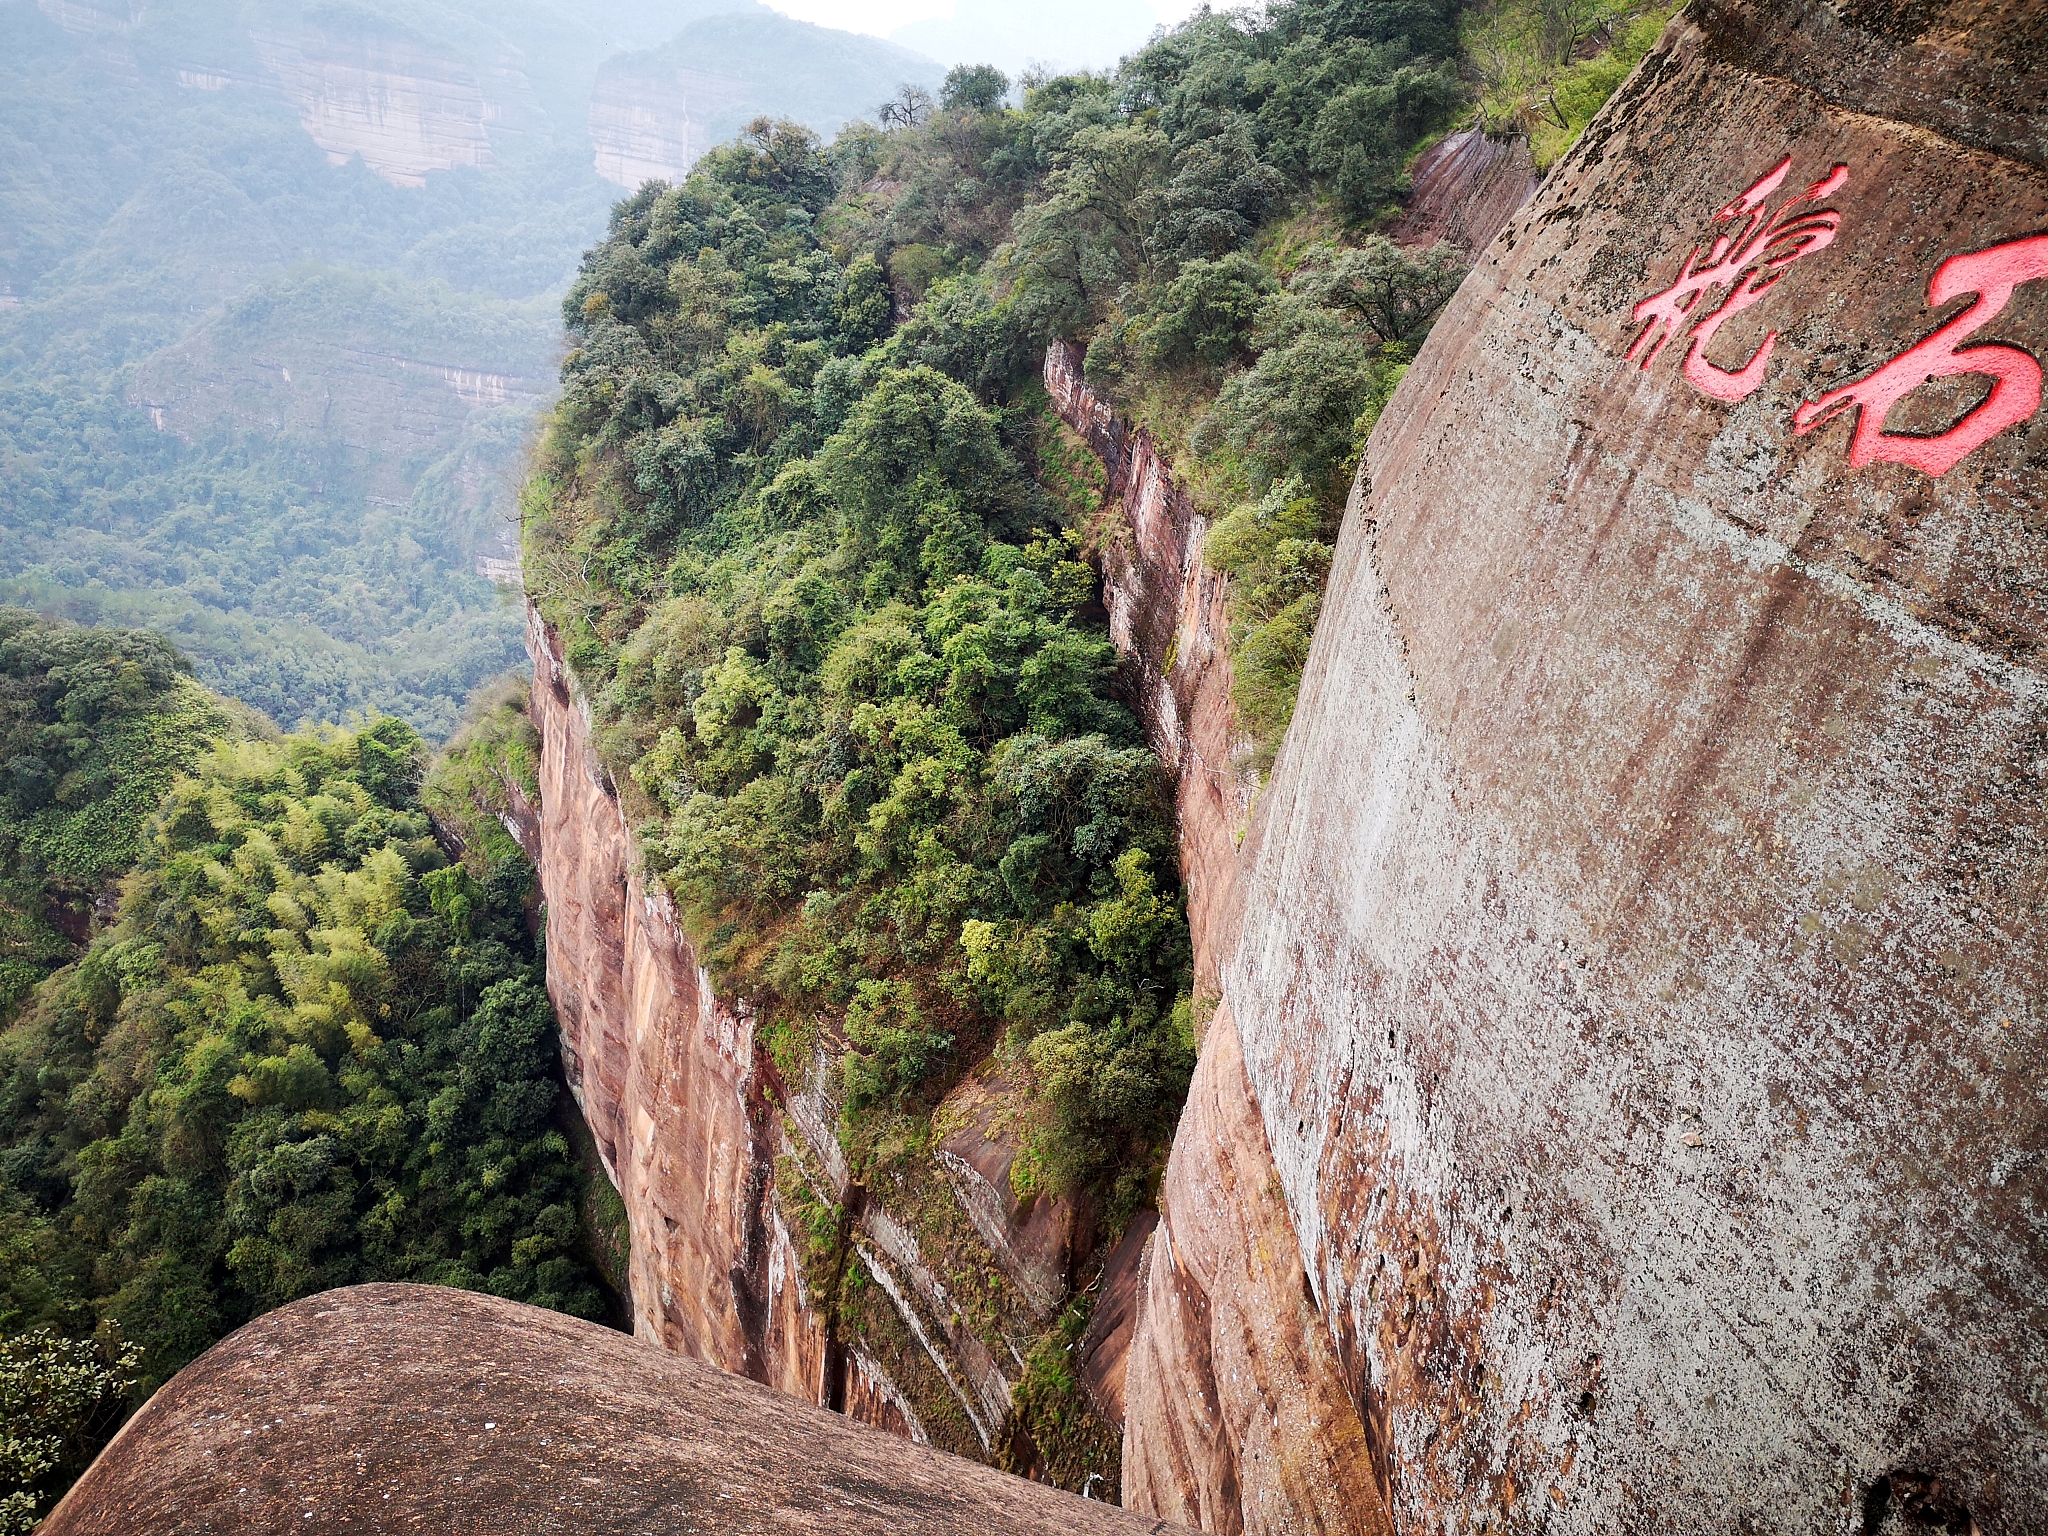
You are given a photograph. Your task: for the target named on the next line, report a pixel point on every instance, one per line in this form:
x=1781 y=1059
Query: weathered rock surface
x=1642 y=977
x=652 y=122
x=667 y=1078
x=392 y=1408
x=1234 y=1409
x=1238 y=1417
x=1465 y=189
x=362 y=89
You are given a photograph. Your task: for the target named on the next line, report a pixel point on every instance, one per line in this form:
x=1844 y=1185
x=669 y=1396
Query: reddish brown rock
x=1037 y=1241
x=1235 y=1417
x=1105 y=1349
x=1465 y=188
x=1237 y=1412
x=1643 y=970
x=666 y=1076
x=401 y=1409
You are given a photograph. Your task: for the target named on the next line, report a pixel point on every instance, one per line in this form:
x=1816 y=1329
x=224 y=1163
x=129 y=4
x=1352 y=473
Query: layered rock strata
x=406 y=108
x=652 y=123
x=1464 y=190
x=394 y=1408
x=1642 y=972
x=1235 y=1412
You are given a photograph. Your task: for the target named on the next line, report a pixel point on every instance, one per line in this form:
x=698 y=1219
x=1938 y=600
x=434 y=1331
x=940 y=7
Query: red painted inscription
x=1991 y=275
x=1747 y=262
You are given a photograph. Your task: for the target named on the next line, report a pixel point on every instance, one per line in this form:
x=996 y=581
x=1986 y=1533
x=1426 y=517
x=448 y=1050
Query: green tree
x=59 y=1399
x=974 y=88
x=310 y=1052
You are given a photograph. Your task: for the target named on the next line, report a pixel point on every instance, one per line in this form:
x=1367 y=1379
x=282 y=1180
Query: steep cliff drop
x=1236 y=1416
x=667 y=1077
x=1641 y=978
x=716 y=1155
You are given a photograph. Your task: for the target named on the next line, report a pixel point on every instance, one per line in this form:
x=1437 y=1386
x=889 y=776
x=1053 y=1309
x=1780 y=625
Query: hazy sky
x=1005 y=32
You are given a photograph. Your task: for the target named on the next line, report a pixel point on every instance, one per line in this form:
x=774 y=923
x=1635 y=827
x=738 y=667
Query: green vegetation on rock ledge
x=1544 y=67
x=853 y=670
x=311 y=1051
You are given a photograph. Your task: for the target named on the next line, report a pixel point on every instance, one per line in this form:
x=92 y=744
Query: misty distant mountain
x=1064 y=34
x=653 y=113
x=278 y=302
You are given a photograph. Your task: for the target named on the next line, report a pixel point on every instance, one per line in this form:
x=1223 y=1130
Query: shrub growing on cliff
x=1545 y=67
x=1293 y=426
x=471 y=785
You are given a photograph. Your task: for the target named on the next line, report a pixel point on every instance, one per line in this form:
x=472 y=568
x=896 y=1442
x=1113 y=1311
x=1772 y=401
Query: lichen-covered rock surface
x=1641 y=978
x=396 y=1408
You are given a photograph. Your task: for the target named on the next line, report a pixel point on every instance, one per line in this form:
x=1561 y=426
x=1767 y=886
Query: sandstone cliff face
x=404 y=107
x=652 y=123
x=1642 y=971
x=718 y=1158
x=400 y=1408
x=1236 y=1416
x=1465 y=189
x=667 y=1079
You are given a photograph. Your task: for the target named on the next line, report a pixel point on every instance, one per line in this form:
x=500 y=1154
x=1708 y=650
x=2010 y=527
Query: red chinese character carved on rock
x=1748 y=264
x=1991 y=275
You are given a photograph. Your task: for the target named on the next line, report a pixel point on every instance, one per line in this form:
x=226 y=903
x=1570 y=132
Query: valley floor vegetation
x=306 y=1047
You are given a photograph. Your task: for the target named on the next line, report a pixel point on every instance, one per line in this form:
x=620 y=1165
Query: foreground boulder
x=1643 y=965
x=400 y=1408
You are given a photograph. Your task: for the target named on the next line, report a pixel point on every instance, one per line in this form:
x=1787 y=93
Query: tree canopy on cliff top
x=846 y=649
x=848 y=659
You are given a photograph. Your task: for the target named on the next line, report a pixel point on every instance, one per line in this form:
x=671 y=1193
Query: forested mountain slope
x=276 y=310
x=94 y=725
x=308 y=1049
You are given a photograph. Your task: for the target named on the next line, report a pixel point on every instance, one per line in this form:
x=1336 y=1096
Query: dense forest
x=309 y=1048
x=94 y=725
x=813 y=539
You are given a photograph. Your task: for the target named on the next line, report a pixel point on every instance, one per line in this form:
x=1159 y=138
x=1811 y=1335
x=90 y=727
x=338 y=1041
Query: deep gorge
x=1314 y=813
